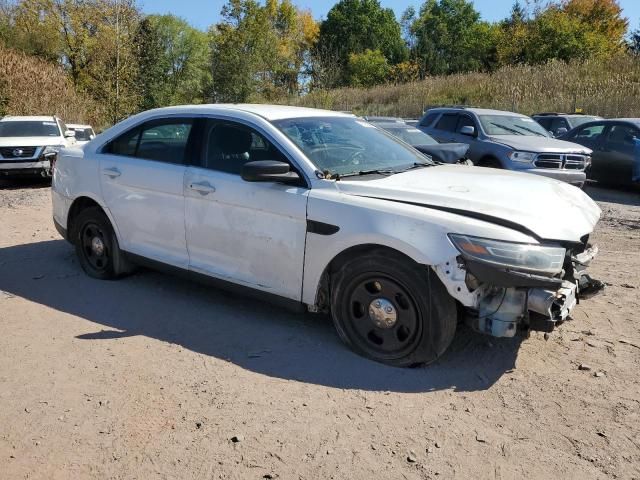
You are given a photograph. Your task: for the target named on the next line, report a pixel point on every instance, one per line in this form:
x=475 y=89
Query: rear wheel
x=392 y=310
x=97 y=246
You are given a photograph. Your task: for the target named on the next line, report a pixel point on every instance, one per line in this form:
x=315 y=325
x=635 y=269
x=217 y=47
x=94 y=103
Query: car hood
x=531 y=143
x=541 y=206
x=30 y=141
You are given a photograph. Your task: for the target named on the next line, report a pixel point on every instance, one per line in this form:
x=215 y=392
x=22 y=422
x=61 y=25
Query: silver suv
x=508 y=140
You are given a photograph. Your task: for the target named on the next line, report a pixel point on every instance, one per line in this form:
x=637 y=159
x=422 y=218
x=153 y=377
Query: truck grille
x=561 y=161
x=18 y=152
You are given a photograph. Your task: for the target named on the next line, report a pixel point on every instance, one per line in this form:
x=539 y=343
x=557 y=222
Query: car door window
x=621 y=137
x=448 y=122
x=558 y=123
x=465 y=121
x=228 y=146
x=545 y=122
x=429 y=119
x=589 y=132
x=125 y=145
x=165 y=141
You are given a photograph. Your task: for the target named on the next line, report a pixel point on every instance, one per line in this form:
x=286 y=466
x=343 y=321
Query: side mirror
x=468 y=130
x=70 y=134
x=268 y=171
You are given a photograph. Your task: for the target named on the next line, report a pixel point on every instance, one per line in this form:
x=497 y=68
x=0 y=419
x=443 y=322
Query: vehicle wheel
x=97 y=246
x=392 y=310
x=490 y=163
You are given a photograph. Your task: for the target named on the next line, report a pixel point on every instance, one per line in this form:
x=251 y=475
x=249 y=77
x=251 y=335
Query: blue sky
x=202 y=13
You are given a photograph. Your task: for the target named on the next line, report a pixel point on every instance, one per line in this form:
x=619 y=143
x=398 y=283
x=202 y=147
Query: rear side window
x=429 y=119
x=448 y=122
x=160 y=140
x=545 y=122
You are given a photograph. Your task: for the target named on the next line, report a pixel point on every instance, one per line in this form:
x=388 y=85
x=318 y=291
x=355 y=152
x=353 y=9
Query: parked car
x=319 y=210
x=560 y=123
x=84 y=133
x=30 y=145
x=440 y=152
x=616 y=149
x=499 y=139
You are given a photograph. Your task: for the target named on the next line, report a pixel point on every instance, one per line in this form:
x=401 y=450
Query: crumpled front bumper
x=500 y=301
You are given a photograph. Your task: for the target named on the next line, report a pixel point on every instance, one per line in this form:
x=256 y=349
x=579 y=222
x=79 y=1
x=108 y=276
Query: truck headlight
x=519 y=256
x=522 y=157
x=50 y=150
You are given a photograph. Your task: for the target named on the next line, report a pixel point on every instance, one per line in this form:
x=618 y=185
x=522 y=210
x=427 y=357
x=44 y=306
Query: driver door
x=248 y=233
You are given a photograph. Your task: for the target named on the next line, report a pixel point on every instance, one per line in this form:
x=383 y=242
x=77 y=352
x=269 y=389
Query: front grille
x=561 y=161
x=18 y=152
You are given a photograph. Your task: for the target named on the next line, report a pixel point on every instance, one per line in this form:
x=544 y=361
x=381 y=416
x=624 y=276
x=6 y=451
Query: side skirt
x=240 y=290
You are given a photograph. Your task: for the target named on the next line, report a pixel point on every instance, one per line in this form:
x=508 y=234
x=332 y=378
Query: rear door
x=248 y=233
x=142 y=176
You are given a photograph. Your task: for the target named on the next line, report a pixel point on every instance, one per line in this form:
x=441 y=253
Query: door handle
x=111 y=172
x=204 y=188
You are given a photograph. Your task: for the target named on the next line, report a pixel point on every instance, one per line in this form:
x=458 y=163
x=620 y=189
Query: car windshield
x=29 y=129
x=349 y=146
x=511 y=125
x=83 y=134
x=411 y=135
x=576 y=121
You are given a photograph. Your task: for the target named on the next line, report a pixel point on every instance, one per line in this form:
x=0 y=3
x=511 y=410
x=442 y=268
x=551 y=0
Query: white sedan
x=321 y=210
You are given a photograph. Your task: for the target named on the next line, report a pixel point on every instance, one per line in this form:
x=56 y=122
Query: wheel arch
x=489 y=159
x=318 y=296
x=82 y=202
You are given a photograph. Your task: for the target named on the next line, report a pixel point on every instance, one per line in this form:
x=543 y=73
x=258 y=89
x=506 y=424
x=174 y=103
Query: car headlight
x=50 y=150
x=522 y=157
x=520 y=256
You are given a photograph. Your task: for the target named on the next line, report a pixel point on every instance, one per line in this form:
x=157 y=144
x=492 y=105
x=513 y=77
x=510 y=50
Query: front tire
x=97 y=246
x=392 y=310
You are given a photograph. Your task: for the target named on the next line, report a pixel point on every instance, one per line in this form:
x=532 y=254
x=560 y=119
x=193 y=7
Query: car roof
x=269 y=112
x=12 y=118
x=558 y=114
x=78 y=125
x=477 y=111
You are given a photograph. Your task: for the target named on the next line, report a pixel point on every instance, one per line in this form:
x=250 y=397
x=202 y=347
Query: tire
x=489 y=163
x=97 y=246
x=392 y=310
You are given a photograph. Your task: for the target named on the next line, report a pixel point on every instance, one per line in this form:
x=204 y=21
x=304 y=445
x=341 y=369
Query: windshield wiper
x=508 y=129
x=529 y=130
x=338 y=176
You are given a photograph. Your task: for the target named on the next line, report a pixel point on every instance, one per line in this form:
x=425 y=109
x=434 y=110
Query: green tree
x=173 y=60
x=368 y=68
x=564 y=30
x=354 y=26
x=451 y=38
x=260 y=51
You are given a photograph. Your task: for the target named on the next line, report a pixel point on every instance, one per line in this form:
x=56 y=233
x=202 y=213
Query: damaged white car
x=323 y=211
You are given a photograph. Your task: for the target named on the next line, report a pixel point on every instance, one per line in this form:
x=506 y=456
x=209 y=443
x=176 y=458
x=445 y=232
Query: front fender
x=418 y=232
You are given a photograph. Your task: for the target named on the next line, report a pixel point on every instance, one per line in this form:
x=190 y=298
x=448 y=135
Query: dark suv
x=560 y=123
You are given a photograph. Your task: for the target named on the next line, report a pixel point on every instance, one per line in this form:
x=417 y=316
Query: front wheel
x=392 y=310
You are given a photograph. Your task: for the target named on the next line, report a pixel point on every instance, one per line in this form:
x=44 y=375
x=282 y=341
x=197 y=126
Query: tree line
x=272 y=50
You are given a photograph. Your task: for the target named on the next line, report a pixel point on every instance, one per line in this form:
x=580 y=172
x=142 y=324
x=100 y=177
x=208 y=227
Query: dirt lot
x=157 y=377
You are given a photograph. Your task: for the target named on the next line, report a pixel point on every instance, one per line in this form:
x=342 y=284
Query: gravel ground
x=157 y=377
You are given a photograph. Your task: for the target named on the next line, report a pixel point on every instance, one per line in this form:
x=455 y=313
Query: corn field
x=610 y=88
x=31 y=86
